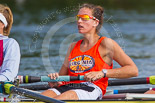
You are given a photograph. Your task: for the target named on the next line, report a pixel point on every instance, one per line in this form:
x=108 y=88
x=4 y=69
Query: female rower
x=9 y=48
x=92 y=57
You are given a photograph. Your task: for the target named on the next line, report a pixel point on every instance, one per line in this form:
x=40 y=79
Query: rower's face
x=85 y=26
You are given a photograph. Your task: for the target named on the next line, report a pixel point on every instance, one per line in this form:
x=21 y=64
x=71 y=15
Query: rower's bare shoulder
x=72 y=45
x=108 y=43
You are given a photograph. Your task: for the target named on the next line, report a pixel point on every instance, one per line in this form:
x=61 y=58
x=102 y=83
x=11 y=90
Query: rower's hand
x=93 y=76
x=54 y=76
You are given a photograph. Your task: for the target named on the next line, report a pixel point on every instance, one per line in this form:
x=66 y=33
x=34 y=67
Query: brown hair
x=5 y=10
x=97 y=12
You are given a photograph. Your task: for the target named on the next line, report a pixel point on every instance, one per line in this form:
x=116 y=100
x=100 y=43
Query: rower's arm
x=128 y=67
x=64 y=68
x=10 y=66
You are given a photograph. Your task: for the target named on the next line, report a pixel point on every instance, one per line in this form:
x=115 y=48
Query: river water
x=45 y=29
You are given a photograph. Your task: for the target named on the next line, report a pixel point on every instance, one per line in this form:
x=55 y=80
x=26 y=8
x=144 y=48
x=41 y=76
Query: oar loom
x=115 y=82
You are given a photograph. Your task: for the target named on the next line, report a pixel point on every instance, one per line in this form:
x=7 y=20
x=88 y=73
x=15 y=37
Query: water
x=44 y=44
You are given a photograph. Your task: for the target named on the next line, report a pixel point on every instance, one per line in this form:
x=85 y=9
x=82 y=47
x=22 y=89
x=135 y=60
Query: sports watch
x=105 y=72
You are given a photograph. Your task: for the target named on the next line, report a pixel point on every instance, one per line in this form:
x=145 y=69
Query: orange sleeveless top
x=88 y=61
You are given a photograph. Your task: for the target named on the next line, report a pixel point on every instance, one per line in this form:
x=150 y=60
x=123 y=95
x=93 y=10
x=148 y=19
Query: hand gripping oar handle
x=32 y=79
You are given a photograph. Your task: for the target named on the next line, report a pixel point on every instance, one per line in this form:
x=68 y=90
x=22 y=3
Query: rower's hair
x=6 y=11
x=97 y=12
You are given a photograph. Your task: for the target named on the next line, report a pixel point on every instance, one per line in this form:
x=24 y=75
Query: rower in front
x=92 y=57
x=9 y=48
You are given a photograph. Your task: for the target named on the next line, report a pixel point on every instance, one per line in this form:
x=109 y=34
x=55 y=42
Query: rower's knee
x=68 y=95
x=150 y=92
x=49 y=93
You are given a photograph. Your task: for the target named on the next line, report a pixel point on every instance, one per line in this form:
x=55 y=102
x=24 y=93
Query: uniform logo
x=81 y=63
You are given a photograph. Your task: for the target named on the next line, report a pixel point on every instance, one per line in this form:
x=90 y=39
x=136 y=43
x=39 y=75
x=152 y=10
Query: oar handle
x=32 y=79
x=61 y=78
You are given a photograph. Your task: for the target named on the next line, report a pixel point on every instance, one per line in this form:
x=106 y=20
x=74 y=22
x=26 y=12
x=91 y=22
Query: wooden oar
x=132 y=81
x=9 y=88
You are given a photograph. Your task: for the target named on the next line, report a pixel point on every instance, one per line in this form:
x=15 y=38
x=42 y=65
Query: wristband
x=105 y=72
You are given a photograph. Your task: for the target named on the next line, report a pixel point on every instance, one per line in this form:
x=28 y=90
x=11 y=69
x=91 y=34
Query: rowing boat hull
x=111 y=102
x=117 y=101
